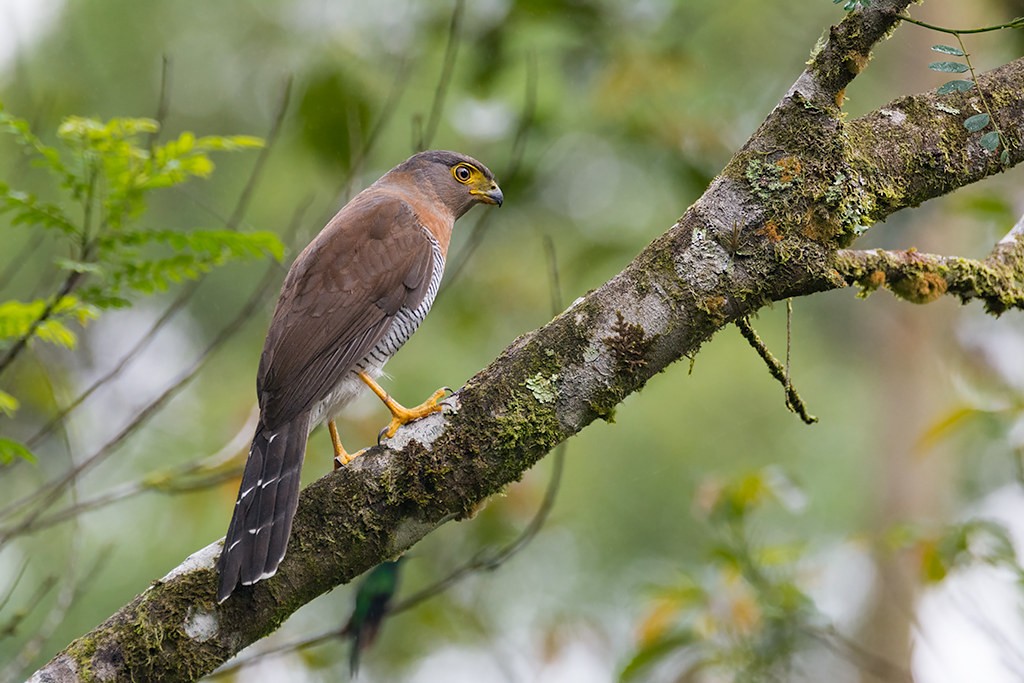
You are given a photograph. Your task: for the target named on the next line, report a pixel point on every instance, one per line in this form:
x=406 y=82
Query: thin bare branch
x=780 y=373
x=526 y=118
x=399 y=83
x=242 y=203
x=451 y=50
x=163 y=102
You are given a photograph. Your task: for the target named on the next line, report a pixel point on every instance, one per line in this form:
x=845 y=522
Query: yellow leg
x=341 y=456
x=400 y=415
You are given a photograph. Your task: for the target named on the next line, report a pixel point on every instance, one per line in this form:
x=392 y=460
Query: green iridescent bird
x=373 y=597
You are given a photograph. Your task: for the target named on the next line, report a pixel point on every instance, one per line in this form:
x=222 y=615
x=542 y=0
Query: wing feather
x=339 y=299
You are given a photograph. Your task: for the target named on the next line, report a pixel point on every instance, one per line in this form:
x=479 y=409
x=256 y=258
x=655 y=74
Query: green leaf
x=990 y=140
x=976 y=541
x=229 y=143
x=1004 y=156
x=955 y=86
x=652 y=653
x=977 y=122
x=18 y=317
x=55 y=332
x=948 y=67
x=948 y=50
x=84 y=267
x=27 y=210
x=8 y=404
x=22 y=132
x=10 y=449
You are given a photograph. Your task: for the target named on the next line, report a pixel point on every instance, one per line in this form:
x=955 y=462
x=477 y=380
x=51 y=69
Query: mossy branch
x=920 y=278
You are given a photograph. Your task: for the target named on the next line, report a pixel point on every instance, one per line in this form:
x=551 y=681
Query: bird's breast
x=402 y=326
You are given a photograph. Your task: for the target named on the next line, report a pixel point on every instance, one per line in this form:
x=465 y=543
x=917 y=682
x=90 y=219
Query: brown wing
x=338 y=301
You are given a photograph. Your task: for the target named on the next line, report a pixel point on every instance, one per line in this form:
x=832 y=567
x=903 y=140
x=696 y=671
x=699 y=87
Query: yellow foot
x=341 y=456
x=401 y=415
x=345 y=458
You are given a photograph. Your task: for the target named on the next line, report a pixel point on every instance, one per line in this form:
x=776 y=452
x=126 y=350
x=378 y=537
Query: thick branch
x=768 y=228
x=916 y=148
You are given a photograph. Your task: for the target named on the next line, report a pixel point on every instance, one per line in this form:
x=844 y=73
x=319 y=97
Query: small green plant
x=102 y=175
x=744 y=612
x=992 y=139
x=850 y=5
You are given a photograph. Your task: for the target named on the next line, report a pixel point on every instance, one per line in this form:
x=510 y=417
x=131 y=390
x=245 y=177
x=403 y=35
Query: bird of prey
x=354 y=295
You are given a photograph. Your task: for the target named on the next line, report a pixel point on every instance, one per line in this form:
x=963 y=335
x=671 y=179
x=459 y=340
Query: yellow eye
x=463 y=173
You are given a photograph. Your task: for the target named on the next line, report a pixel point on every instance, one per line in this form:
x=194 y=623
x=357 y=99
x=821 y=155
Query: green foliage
x=11 y=450
x=103 y=173
x=744 y=611
x=948 y=67
x=974 y=542
x=955 y=86
x=850 y=5
x=44 y=320
x=8 y=404
x=991 y=140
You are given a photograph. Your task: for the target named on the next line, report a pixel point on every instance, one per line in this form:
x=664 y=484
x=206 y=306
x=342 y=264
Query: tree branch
x=922 y=278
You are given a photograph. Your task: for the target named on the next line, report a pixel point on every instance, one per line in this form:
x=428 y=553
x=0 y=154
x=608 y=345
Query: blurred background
x=871 y=546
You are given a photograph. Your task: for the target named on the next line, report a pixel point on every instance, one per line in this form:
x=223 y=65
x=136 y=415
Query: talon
x=345 y=458
x=401 y=415
x=341 y=456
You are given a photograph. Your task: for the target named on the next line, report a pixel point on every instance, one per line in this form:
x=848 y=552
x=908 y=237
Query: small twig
x=198 y=474
x=398 y=85
x=981 y=94
x=11 y=627
x=451 y=50
x=1013 y=23
x=70 y=282
x=515 y=163
x=10 y=592
x=789 y=343
x=163 y=103
x=242 y=203
x=793 y=400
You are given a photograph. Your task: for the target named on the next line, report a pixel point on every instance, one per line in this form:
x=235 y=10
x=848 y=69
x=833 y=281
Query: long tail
x=262 y=521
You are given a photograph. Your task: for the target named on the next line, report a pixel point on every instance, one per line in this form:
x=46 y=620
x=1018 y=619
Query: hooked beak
x=491 y=195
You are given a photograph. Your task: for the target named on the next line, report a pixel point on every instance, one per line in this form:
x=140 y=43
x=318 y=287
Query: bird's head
x=459 y=181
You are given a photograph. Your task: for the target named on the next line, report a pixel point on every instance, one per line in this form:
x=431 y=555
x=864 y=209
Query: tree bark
x=774 y=224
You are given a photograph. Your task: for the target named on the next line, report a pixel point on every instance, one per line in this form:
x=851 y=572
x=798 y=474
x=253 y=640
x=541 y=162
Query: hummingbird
x=373 y=598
